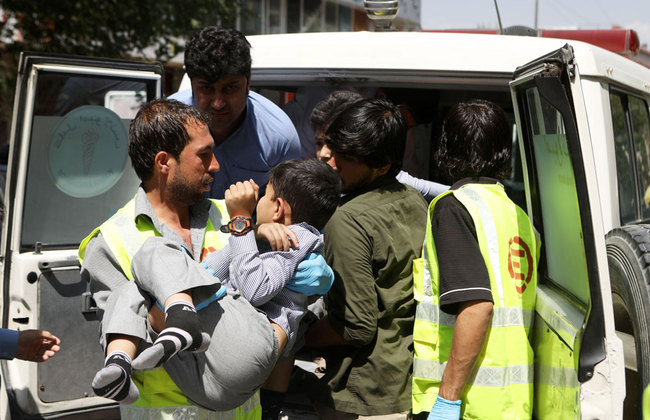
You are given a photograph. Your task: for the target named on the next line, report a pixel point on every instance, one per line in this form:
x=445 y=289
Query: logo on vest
x=520 y=263
x=207 y=251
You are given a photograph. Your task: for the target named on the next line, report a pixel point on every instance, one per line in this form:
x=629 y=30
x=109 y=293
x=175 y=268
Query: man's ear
x=161 y=162
x=382 y=170
x=282 y=213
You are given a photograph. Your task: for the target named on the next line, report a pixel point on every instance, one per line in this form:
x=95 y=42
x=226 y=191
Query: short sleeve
x=463 y=274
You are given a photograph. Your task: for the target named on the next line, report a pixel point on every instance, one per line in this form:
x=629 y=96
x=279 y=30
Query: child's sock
x=114 y=380
x=182 y=332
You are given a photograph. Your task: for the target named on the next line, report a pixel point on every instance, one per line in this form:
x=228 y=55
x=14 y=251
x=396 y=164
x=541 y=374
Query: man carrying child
x=171 y=150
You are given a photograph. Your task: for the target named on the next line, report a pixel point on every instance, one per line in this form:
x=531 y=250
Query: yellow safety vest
x=501 y=386
x=124 y=238
x=646 y=403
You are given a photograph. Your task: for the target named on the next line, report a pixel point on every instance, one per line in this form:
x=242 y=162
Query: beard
x=186 y=192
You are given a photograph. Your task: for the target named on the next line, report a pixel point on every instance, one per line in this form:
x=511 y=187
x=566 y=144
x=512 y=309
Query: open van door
x=578 y=357
x=68 y=171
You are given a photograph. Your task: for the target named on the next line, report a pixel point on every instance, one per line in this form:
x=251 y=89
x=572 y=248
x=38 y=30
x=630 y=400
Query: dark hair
x=214 y=52
x=372 y=130
x=311 y=187
x=160 y=125
x=329 y=108
x=476 y=141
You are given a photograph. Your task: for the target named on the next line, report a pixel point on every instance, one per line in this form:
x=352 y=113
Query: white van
x=581 y=139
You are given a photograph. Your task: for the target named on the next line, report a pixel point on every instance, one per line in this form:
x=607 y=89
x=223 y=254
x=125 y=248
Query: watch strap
x=238 y=226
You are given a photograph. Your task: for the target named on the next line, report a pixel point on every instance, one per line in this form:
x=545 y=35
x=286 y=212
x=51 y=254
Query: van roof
x=444 y=52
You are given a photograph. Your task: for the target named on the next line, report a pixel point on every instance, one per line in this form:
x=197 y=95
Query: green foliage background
x=101 y=28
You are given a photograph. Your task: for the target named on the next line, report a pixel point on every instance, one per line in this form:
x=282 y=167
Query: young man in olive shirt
x=370 y=243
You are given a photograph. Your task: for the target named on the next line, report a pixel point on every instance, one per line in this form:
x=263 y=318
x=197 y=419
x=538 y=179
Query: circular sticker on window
x=88 y=151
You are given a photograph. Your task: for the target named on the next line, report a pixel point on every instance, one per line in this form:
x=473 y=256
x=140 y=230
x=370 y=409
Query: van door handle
x=88 y=305
x=49 y=265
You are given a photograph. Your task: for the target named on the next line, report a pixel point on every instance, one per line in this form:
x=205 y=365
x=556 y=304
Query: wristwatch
x=238 y=226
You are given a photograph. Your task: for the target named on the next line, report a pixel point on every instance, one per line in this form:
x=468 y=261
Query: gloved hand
x=312 y=277
x=114 y=380
x=445 y=410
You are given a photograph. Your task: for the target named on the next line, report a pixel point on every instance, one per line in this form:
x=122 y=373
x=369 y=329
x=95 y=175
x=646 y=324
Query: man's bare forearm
x=470 y=330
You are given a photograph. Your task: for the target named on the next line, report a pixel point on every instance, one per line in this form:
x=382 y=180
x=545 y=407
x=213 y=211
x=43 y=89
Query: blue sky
x=552 y=14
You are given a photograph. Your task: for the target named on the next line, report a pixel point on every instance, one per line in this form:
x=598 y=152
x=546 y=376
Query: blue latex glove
x=445 y=410
x=312 y=277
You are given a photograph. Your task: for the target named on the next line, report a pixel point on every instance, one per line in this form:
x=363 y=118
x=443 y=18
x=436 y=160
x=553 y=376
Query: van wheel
x=628 y=255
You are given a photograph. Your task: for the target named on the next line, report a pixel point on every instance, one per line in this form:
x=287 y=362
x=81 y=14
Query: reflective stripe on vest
x=501 y=317
x=249 y=410
x=485 y=376
x=504 y=371
x=124 y=238
x=491 y=236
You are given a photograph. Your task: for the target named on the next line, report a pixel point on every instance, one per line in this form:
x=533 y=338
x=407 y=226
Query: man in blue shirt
x=251 y=133
x=30 y=345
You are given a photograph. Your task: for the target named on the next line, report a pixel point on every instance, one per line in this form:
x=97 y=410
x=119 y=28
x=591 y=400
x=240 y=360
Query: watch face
x=239 y=225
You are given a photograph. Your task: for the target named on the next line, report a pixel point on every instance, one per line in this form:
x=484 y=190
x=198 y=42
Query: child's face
x=266 y=206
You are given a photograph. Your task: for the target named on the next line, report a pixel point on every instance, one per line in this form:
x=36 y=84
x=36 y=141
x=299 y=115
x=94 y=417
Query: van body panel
x=68 y=171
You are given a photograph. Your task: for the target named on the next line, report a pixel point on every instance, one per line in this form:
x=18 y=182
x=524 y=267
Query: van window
x=627 y=197
x=631 y=125
x=424 y=108
x=78 y=167
x=561 y=225
x=641 y=135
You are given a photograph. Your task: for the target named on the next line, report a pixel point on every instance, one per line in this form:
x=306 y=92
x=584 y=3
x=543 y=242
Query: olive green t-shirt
x=370 y=243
